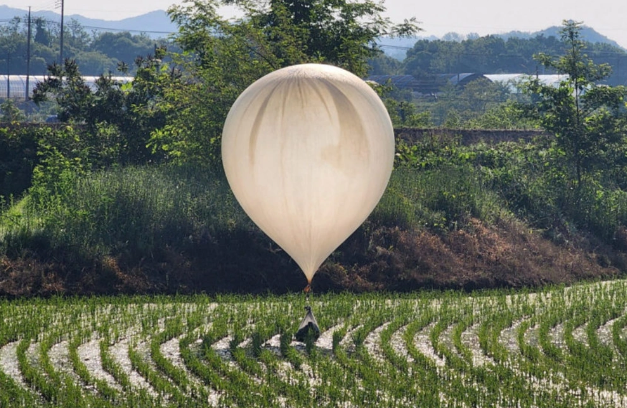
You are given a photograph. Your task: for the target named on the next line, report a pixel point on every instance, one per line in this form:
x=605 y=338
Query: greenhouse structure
x=14 y=86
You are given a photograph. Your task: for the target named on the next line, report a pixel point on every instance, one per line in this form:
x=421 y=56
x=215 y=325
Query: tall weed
x=132 y=210
x=438 y=199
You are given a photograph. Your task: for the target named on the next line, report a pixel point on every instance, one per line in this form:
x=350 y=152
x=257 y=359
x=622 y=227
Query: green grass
x=133 y=210
x=137 y=211
x=439 y=185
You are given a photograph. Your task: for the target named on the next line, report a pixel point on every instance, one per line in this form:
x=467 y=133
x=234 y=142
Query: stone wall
x=468 y=136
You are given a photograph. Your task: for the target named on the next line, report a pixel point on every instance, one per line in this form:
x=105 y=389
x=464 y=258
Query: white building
x=513 y=81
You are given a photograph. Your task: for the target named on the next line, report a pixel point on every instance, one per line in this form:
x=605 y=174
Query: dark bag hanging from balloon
x=309 y=326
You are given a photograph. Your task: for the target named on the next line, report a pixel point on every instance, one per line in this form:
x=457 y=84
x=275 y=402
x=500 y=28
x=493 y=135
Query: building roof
x=430 y=85
x=461 y=79
x=513 y=80
x=398 y=81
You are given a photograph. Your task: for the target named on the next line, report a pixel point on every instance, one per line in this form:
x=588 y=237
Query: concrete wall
x=468 y=136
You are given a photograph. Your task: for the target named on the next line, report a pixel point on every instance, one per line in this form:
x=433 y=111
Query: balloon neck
x=307 y=290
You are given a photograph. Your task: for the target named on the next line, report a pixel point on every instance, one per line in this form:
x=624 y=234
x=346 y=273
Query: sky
x=608 y=17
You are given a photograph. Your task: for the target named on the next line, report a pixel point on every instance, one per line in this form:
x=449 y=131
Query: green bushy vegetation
x=526 y=180
x=133 y=210
x=18 y=157
x=180 y=228
x=139 y=209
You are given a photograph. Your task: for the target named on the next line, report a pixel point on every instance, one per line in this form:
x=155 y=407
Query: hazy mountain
x=158 y=24
x=155 y=23
x=587 y=33
x=397 y=47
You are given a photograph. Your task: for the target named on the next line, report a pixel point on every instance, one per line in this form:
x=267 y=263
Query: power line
x=127 y=10
x=129 y=30
x=398 y=47
x=48 y=7
x=43 y=4
x=112 y=29
x=479 y=54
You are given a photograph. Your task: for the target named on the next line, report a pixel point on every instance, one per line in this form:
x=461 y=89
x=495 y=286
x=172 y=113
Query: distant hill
x=158 y=24
x=155 y=24
x=587 y=33
x=397 y=47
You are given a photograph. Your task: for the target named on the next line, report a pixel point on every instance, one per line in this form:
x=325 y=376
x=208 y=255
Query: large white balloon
x=308 y=151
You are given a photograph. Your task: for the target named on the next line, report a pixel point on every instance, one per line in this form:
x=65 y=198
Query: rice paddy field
x=561 y=347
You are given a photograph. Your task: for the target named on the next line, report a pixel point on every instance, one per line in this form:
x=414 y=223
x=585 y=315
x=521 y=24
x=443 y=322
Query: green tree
x=223 y=57
x=123 y=46
x=94 y=62
x=12 y=46
x=405 y=114
x=508 y=115
x=78 y=37
x=480 y=95
x=339 y=32
x=383 y=65
x=460 y=106
x=96 y=53
x=10 y=112
x=587 y=119
x=119 y=117
x=42 y=35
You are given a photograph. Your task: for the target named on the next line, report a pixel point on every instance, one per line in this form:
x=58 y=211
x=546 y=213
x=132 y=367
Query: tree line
x=96 y=52
x=494 y=55
x=99 y=52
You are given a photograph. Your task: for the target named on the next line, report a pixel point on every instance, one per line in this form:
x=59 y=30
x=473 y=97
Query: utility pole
x=62 y=4
x=27 y=95
x=9 y=75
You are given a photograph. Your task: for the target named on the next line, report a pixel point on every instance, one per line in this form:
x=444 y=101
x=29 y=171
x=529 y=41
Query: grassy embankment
x=453 y=216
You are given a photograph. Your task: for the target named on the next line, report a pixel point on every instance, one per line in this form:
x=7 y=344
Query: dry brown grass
x=477 y=256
